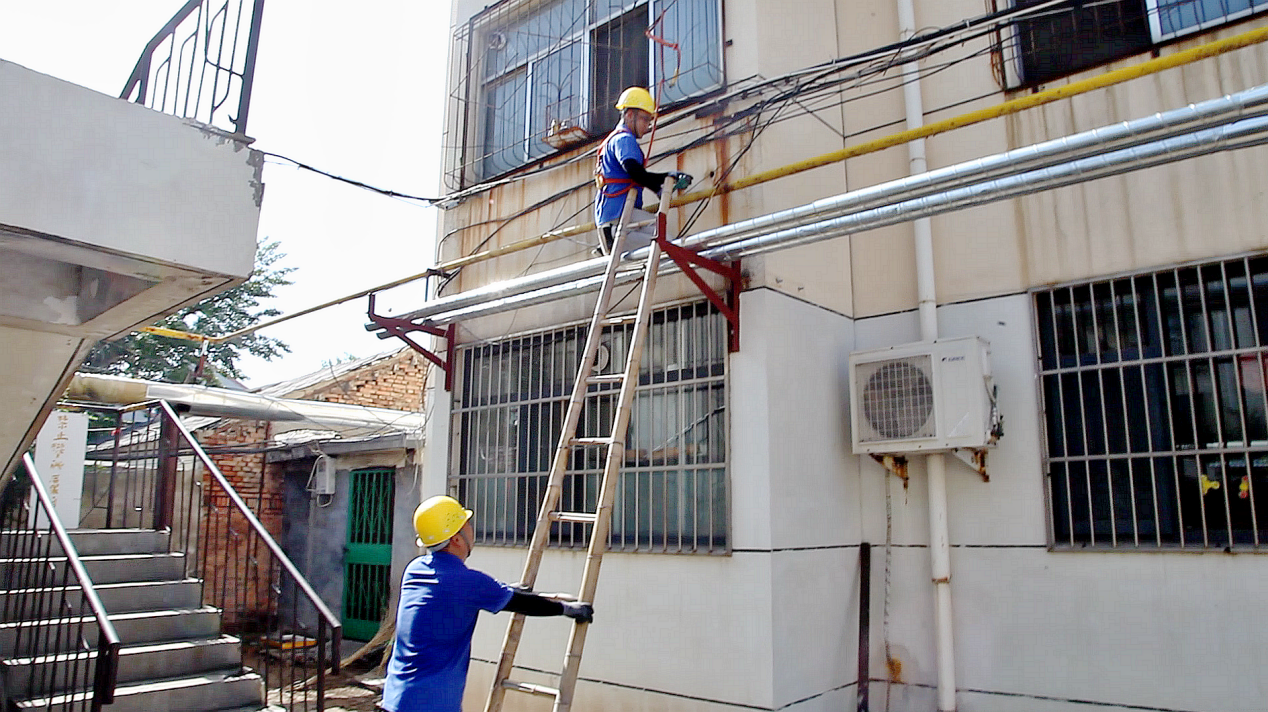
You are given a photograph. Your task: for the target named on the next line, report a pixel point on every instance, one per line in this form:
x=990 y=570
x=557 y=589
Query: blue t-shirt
x=607 y=205
x=440 y=599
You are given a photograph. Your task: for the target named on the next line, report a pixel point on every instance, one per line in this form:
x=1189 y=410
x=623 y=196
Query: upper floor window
x=1080 y=34
x=544 y=75
x=1155 y=409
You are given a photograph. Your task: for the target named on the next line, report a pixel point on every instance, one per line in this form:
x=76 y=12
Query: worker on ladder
x=439 y=603
x=619 y=167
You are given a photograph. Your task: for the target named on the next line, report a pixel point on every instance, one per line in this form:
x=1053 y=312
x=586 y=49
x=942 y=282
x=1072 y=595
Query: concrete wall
x=141 y=182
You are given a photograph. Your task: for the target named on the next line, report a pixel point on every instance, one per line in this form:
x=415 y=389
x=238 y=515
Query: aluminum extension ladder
x=600 y=520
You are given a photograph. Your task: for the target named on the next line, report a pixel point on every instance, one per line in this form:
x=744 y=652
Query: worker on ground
x=440 y=600
x=619 y=167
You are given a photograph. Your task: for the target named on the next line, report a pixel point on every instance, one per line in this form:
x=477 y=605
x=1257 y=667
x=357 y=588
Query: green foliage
x=160 y=358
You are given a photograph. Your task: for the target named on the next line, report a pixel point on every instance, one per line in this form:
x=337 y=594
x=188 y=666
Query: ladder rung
x=530 y=688
x=604 y=378
x=591 y=441
x=575 y=517
x=620 y=320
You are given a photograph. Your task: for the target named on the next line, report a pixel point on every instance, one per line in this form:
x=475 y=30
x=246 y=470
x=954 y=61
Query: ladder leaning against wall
x=600 y=520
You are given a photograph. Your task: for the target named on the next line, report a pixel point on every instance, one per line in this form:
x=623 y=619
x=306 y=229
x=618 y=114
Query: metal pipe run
x=1060 y=162
x=224 y=403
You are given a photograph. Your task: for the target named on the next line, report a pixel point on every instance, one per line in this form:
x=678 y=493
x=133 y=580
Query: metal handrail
x=108 y=643
x=179 y=78
x=326 y=615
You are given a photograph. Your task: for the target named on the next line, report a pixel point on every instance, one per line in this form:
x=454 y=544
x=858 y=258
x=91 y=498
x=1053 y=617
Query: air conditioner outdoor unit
x=925 y=396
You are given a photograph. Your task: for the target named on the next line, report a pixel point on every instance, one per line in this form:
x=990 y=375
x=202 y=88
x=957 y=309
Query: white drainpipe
x=935 y=464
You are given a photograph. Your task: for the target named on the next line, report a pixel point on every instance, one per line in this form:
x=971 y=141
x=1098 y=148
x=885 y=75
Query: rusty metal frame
x=729 y=304
x=401 y=328
x=896 y=465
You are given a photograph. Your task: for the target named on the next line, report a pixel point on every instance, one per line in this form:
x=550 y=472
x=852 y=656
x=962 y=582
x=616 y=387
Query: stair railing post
x=165 y=487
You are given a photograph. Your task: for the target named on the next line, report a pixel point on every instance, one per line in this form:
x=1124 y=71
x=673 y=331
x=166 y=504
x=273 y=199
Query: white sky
x=355 y=89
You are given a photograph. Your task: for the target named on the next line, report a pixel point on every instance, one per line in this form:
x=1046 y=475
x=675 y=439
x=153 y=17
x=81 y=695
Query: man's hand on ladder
x=580 y=612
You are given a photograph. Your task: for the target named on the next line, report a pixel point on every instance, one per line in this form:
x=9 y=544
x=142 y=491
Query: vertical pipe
x=939 y=538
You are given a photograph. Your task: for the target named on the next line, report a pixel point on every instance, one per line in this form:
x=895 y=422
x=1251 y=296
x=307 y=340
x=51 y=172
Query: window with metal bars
x=549 y=72
x=1079 y=34
x=672 y=491
x=1155 y=408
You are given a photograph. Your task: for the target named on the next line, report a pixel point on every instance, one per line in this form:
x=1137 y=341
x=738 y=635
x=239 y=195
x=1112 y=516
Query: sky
x=355 y=89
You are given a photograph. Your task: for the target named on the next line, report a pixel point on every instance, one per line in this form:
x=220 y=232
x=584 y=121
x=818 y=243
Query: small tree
x=160 y=358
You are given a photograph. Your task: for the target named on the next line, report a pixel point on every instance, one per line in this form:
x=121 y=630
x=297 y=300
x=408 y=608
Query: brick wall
x=396 y=382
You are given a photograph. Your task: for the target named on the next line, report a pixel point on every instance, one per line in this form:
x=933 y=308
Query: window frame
x=699 y=524
x=478 y=115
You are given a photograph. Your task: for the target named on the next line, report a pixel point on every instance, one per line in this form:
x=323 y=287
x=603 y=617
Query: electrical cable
x=357 y=183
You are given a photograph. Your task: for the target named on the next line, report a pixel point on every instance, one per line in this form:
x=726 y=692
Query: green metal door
x=368 y=554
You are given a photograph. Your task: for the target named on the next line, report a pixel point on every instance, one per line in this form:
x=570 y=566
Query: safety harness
x=602 y=181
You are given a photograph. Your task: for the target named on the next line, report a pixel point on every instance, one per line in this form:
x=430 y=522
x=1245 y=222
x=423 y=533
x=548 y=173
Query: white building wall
x=1041 y=629
x=1035 y=629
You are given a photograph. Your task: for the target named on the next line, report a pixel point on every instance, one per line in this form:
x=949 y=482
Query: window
x=545 y=69
x=672 y=494
x=1155 y=408
x=1080 y=34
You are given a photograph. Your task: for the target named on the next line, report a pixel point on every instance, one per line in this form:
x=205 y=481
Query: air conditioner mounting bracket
x=896 y=464
x=976 y=459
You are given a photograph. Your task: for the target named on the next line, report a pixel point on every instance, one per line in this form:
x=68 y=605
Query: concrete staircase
x=173 y=657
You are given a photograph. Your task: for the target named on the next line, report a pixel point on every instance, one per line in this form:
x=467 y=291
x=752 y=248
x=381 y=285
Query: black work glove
x=681 y=180
x=580 y=612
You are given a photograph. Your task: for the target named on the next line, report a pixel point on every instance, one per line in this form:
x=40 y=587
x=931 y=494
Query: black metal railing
x=147 y=471
x=201 y=65
x=59 y=645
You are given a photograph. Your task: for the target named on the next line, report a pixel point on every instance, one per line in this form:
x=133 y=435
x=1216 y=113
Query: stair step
x=223 y=690
x=101 y=568
x=95 y=542
x=119 y=597
x=590 y=441
x=605 y=379
x=36 y=676
x=133 y=628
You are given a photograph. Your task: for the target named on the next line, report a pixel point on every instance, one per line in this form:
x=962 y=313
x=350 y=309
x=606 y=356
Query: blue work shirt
x=440 y=600
x=622 y=144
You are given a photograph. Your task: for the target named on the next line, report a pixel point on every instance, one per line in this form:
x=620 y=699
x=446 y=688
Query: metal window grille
x=1074 y=36
x=672 y=495
x=1156 y=414
x=1081 y=34
x=539 y=76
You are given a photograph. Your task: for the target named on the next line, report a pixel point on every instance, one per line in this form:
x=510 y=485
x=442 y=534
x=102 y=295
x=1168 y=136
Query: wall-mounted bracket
x=401 y=328
x=896 y=464
x=729 y=304
x=976 y=459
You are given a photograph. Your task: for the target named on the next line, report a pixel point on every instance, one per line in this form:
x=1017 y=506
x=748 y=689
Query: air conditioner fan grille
x=897 y=401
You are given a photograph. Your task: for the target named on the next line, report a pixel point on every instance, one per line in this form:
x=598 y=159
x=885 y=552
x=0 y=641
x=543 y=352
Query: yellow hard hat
x=438 y=519
x=636 y=98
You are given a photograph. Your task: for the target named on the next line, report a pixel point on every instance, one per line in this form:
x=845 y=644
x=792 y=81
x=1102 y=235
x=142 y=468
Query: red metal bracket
x=687 y=260
x=401 y=328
